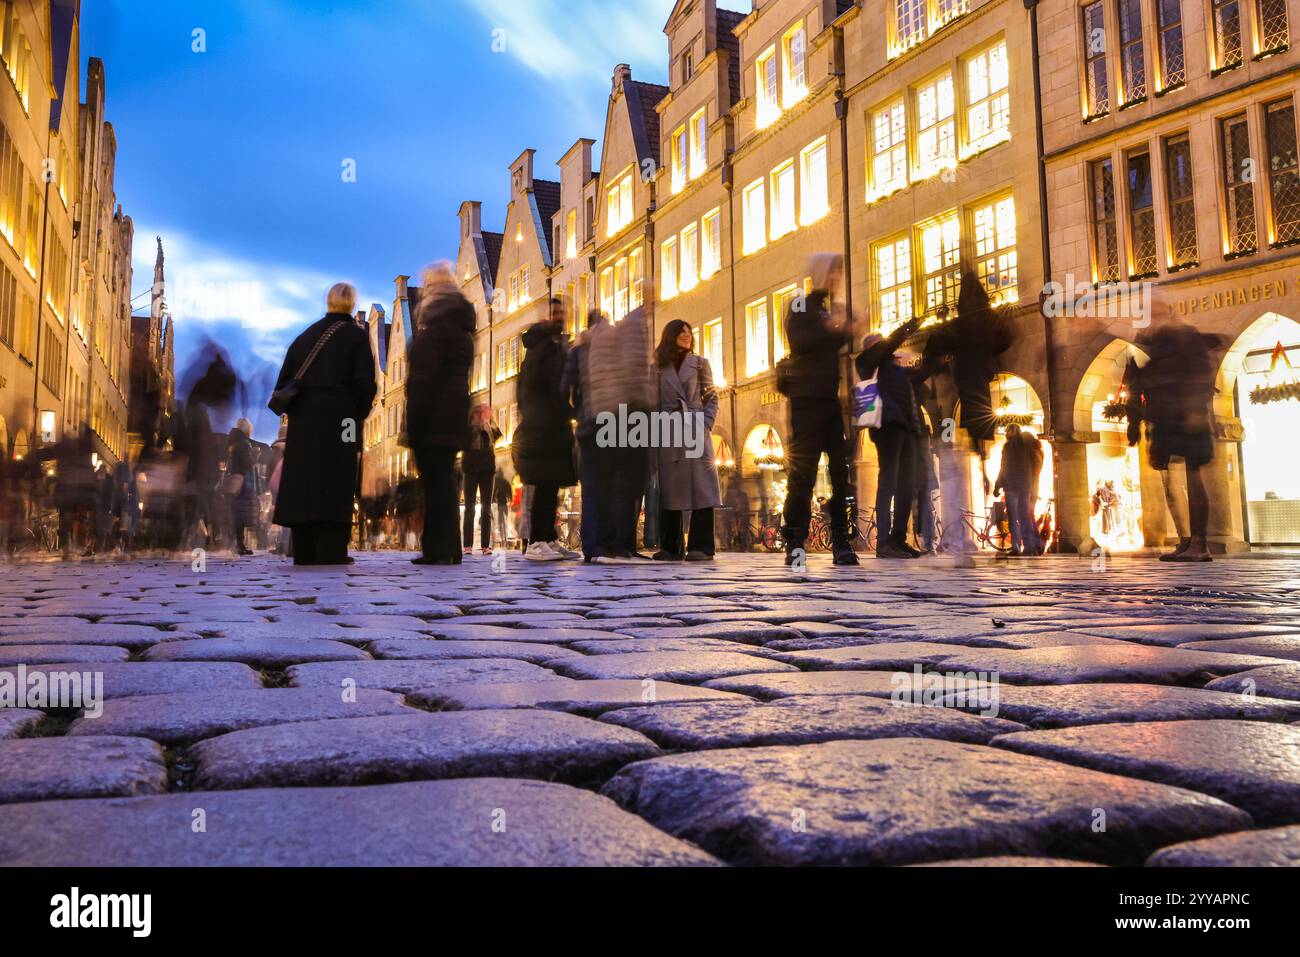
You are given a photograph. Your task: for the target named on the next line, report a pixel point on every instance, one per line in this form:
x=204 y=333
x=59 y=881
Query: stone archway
x=1255 y=428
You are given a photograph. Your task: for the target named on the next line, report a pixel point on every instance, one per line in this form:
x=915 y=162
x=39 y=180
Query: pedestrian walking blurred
x=576 y=373
x=478 y=466
x=543 y=443
x=896 y=439
x=437 y=411
x=617 y=381
x=501 y=501
x=328 y=384
x=1022 y=461
x=817 y=329
x=961 y=357
x=1172 y=393
x=239 y=484
x=688 y=473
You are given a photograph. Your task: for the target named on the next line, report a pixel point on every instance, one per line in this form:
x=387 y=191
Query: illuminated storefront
x=1267 y=396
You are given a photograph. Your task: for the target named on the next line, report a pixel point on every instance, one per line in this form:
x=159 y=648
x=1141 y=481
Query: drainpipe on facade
x=727 y=184
x=40 y=315
x=842 y=115
x=1045 y=240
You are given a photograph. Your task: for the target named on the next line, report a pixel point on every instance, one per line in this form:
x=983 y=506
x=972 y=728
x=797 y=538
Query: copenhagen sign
x=1242 y=295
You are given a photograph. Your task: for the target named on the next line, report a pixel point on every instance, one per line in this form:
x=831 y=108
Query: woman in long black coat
x=543 y=441
x=437 y=407
x=318 y=479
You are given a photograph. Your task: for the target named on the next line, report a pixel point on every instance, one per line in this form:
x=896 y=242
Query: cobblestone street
x=505 y=712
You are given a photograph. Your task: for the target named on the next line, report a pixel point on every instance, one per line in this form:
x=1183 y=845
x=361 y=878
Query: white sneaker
x=541 y=552
x=565 y=553
x=605 y=560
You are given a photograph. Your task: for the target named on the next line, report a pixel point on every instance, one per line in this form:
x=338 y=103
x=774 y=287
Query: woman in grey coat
x=688 y=475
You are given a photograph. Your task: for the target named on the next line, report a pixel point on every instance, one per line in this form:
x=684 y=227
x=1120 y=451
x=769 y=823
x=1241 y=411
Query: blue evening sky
x=235 y=155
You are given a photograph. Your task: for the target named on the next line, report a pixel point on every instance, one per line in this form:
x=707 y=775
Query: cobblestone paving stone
x=737 y=712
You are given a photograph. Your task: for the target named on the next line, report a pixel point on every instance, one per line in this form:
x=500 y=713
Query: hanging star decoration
x=1288 y=389
x=1005 y=418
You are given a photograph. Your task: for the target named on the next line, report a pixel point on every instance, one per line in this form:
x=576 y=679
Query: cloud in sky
x=574 y=42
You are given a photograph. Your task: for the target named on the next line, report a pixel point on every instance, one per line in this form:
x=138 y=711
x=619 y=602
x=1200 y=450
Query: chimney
x=471 y=218
x=401 y=283
x=622 y=73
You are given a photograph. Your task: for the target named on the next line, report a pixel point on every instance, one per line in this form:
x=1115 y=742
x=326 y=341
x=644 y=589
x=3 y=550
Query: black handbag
x=283 y=398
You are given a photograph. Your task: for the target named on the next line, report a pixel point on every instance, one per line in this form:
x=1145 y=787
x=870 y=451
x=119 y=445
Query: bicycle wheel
x=995 y=538
x=771 y=538
x=821 y=537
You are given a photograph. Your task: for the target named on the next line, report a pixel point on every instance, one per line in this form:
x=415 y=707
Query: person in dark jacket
x=1173 y=393
x=318 y=476
x=437 y=408
x=816 y=328
x=501 y=495
x=478 y=465
x=543 y=441
x=1022 y=462
x=895 y=440
x=243 y=502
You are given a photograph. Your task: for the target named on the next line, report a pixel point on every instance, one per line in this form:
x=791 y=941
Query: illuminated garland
x=1115 y=410
x=1021 y=419
x=1264 y=394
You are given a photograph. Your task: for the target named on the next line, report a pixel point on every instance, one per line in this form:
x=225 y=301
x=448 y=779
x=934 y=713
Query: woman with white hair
x=326 y=386
x=437 y=408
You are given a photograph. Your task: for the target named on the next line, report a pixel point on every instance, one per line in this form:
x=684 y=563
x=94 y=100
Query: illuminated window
x=988 y=118
x=1270 y=26
x=936 y=139
x=1238 y=186
x=814 y=190
x=607 y=291
x=618 y=204
x=620 y=290
x=1182 y=204
x=1096 y=80
x=946 y=10
x=796 y=80
x=710 y=347
x=755 y=213
x=893 y=261
x=1105 y=238
x=699 y=143
x=889 y=149
x=1225 y=18
x=571 y=234
x=910 y=24
x=1132 y=56
x=13 y=182
x=668 y=267
x=17 y=53
x=782 y=301
x=679 y=158
x=636 y=273
x=711 y=245
x=689 y=276
x=783 y=220
x=1141 y=215
x=941 y=260
x=993 y=226
x=765 y=88
x=1169 y=24
x=756 y=338
x=1283 y=172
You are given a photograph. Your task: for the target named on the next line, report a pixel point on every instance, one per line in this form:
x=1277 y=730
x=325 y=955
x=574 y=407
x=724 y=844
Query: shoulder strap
x=315 y=350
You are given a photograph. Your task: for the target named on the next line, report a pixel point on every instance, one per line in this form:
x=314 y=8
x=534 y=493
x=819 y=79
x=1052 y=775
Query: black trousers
x=816 y=427
x=321 y=543
x=590 y=477
x=896 y=481
x=700 y=536
x=541 y=521
x=621 y=478
x=440 y=538
x=482 y=483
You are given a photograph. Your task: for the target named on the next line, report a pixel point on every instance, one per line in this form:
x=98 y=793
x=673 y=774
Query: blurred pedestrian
x=501 y=494
x=688 y=473
x=896 y=439
x=1173 y=394
x=478 y=466
x=333 y=370
x=240 y=485
x=437 y=412
x=1016 y=476
x=817 y=329
x=617 y=380
x=543 y=442
x=576 y=375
